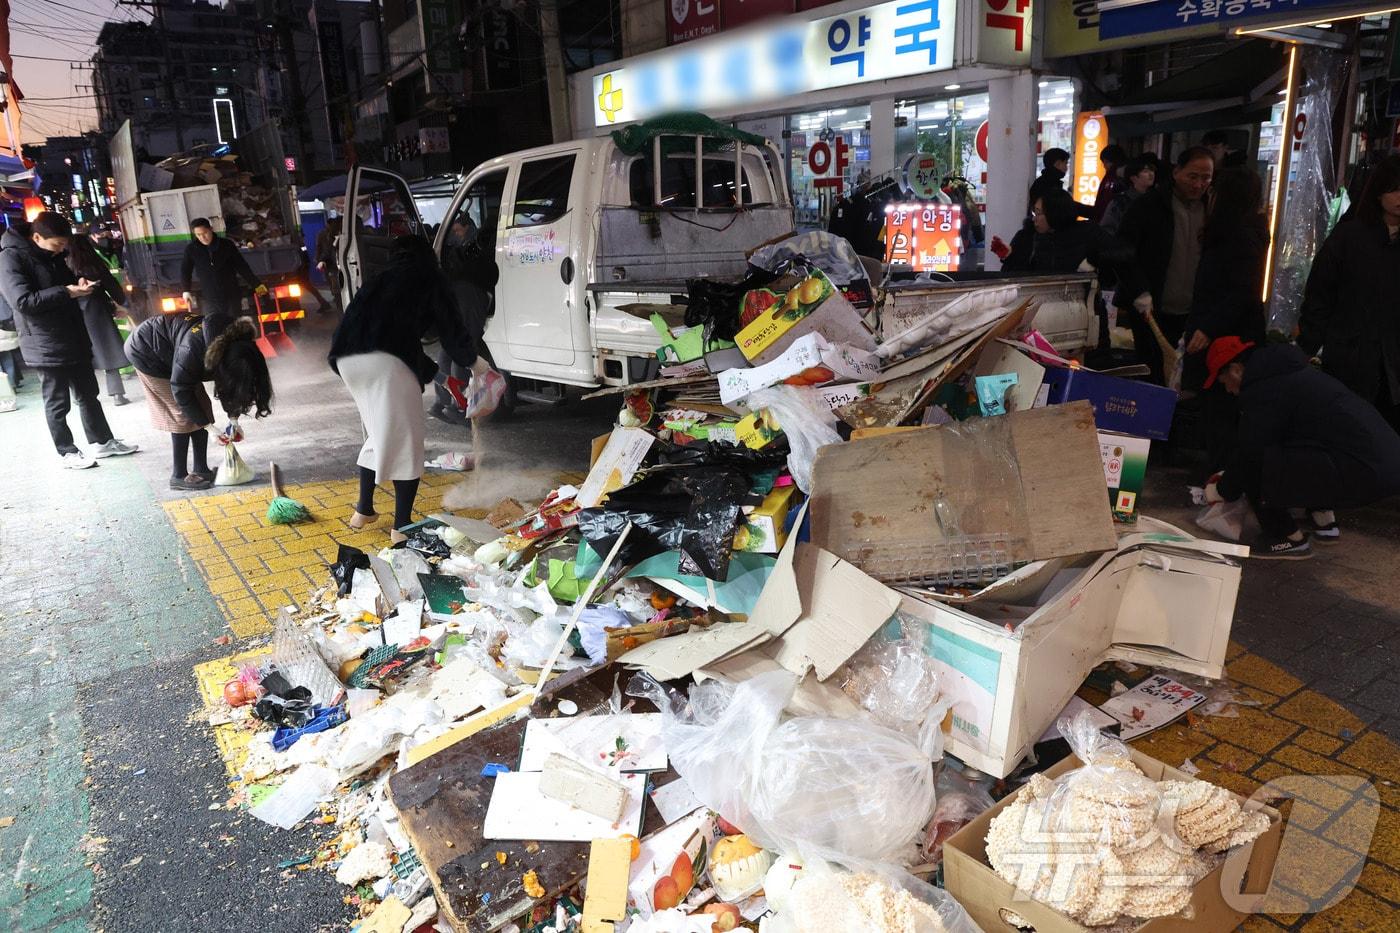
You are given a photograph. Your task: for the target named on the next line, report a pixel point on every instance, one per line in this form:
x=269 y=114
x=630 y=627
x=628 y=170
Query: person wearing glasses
x=1164 y=228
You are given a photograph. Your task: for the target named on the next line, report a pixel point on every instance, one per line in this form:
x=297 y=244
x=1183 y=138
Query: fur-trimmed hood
x=242 y=328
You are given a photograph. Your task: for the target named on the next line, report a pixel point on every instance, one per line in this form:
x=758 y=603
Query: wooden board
x=442 y=802
x=878 y=494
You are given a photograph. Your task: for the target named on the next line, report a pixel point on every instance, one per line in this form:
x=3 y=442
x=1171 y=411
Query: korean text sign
x=1175 y=14
x=927 y=237
x=791 y=56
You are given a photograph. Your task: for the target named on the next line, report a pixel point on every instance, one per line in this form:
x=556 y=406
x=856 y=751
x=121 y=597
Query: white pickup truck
x=582 y=230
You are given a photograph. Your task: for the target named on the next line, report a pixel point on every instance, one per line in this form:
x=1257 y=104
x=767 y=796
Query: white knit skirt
x=390 y=402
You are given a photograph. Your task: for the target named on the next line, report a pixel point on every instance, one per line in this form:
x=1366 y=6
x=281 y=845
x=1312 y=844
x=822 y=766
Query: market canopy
x=1219 y=90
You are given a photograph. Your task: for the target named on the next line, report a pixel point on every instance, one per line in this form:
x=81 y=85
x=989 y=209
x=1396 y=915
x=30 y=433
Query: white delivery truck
x=582 y=230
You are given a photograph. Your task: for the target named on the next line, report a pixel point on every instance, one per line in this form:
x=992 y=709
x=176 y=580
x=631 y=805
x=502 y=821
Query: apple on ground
x=726 y=916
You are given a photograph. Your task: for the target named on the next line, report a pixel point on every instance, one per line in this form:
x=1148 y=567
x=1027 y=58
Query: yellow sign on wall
x=1090 y=136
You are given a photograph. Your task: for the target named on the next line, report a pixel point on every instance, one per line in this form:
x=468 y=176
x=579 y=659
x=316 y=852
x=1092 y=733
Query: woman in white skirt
x=378 y=352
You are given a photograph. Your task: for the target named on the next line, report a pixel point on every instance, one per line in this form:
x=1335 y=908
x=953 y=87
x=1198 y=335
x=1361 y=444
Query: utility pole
x=561 y=127
x=157 y=8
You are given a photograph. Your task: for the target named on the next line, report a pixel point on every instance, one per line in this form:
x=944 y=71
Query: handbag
x=235 y=471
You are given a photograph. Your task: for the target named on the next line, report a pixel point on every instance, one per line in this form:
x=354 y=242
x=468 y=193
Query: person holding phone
x=53 y=338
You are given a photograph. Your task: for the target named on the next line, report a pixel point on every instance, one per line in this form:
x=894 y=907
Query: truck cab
x=582 y=232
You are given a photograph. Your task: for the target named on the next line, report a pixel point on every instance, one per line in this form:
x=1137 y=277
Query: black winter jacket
x=1229 y=279
x=1351 y=308
x=394 y=312
x=218 y=267
x=49 y=320
x=1050 y=183
x=1148 y=228
x=1063 y=250
x=1306 y=440
x=172 y=347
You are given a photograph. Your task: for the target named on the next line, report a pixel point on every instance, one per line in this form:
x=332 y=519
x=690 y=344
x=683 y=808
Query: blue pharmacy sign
x=1179 y=14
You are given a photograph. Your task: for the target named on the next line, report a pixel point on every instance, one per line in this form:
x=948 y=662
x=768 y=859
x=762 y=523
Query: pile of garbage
x=252 y=214
x=737 y=677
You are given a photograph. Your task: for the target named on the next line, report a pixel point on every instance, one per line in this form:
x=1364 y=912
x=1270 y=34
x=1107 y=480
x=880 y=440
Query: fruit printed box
x=669 y=862
x=770 y=321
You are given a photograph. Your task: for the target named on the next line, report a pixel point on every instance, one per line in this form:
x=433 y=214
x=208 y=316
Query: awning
x=1224 y=89
x=329 y=188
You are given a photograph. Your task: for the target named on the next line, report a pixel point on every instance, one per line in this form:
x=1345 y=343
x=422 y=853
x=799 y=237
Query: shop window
x=815 y=142
x=1057 y=109
x=542 y=195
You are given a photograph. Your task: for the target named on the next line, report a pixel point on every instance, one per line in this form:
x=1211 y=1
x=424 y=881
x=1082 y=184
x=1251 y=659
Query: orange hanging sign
x=1090 y=137
x=927 y=237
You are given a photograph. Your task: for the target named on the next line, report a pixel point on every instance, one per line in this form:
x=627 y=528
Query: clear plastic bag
x=872 y=899
x=1233 y=521
x=896 y=682
x=1109 y=796
x=960 y=801
x=808 y=423
x=836 y=789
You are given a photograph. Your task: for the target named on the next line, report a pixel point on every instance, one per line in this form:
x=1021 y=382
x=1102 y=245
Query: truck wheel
x=506 y=410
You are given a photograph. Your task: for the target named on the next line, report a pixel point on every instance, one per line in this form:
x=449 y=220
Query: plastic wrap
x=874 y=899
x=896 y=682
x=407 y=564
x=832 y=254
x=955 y=809
x=836 y=789
x=347 y=560
x=1302 y=225
x=1233 y=521
x=808 y=423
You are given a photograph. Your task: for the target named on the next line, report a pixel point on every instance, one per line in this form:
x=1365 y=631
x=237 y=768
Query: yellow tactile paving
x=210 y=677
x=253 y=567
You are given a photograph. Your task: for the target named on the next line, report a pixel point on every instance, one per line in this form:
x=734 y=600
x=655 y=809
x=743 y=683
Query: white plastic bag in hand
x=234 y=472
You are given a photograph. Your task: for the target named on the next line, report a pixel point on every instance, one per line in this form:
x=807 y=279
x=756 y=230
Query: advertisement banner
x=736 y=13
x=782 y=59
x=1175 y=14
x=1004 y=32
x=1090 y=136
x=926 y=237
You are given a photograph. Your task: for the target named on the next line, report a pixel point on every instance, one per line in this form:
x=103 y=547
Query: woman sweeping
x=378 y=352
x=173 y=359
x=99 y=308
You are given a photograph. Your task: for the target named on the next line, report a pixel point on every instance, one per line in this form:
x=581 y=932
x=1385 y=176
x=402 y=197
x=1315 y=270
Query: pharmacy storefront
x=931 y=98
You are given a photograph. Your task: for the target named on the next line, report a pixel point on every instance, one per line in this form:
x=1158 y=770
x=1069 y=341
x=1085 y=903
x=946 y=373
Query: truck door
x=539 y=260
x=378 y=207
x=469 y=234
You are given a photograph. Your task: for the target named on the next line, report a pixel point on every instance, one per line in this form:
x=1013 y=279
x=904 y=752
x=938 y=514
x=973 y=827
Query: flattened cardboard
x=883 y=489
x=842 y=609
x=1000 y=358
x=520 y=810
x=618 y=462
x=1247 y=873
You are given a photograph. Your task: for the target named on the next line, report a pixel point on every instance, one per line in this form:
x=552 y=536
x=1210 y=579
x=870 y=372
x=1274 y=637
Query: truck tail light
x=168 y=305
x=294 y=290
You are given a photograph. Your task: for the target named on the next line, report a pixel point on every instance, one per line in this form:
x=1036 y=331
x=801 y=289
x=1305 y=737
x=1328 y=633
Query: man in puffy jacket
x=1306 y=441
x=53 y=339
x=222 y=273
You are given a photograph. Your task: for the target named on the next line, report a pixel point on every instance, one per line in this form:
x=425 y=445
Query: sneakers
x=1325 y=530
x=1281 y=549
x=484 y=394
x=78 y=461
x=449 y=415
x=120 y=400
x=190 y=482
x=115 y=448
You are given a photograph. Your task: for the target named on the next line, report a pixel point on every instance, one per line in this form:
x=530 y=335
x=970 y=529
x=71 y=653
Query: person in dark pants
x=222 y=272
x=1350 y=316
x=99 y=309
x=43 y=293
x=1164 y=229
x=1306 y=441
x=174 y=358
x=1227 y=298
x=1114 y=158
x=471 y=271
x=326 y=259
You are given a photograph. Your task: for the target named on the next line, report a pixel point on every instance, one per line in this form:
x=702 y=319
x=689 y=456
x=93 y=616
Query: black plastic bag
x=693 y=510
x=716 y=305
x=715 y=454
x=292 y=708
x=347 y=560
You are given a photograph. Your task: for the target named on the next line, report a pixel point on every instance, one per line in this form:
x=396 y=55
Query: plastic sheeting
x=1303 y=223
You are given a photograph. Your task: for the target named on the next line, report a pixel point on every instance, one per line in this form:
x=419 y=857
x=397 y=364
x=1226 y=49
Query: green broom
x=284 y=511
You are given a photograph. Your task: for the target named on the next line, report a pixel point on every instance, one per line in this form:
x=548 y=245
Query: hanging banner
x=691 y=19
x=1090 y=136
x=926 y=237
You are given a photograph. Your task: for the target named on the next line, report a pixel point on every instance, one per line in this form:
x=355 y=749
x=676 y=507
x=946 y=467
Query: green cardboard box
x=1124 y=468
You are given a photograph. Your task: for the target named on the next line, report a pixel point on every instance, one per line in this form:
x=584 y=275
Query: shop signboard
x=736 y=13
x=1090 y=136
x=1004 y=32
x=925 y=236
x=691 y=19
x=1167 y=15
x=1072 y=28
x=772 y=61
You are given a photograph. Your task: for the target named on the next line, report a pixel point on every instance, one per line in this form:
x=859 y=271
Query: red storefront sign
x=691 y=19
x=735 y=13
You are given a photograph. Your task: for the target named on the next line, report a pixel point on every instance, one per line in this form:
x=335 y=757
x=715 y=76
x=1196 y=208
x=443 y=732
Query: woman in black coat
x=1058 y=241
x=1351 y=305
x=1305 y=442
x=99 y=309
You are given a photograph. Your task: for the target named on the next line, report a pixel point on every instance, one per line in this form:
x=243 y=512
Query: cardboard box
x=763 y=530
x=813 y=305
x=986 y=896
x=1124 y=468
x=1120 y=405
x=1011 y=656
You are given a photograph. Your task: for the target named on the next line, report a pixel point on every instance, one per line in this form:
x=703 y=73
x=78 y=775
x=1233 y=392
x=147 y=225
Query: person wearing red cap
x=1305 y=441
